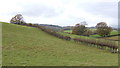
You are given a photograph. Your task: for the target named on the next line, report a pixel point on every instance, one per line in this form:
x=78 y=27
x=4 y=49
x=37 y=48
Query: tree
x=18 y=19
x=79 y=29
x=103 y=29
x=88 y=32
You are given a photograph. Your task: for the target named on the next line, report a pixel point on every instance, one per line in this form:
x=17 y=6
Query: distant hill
x=68 y=27
x=50 y=26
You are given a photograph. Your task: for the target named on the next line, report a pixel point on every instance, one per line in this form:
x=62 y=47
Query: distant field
x=113 y=38
x=72 y=35
x=26 y=46
x=95 y=36
x=90 y=37
x=70 y=31
x=114 y=32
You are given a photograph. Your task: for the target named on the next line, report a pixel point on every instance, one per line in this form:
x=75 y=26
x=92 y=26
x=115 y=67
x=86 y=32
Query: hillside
x=27 y=46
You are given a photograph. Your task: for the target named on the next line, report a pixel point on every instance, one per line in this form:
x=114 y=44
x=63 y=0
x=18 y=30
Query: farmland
x=106 y=42
x=114 y=32
x=113 y=38
x=27 y=46
x=70 y=31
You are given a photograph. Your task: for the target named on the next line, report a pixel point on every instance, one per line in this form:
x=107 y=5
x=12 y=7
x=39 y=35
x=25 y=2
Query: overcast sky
x=61 y=12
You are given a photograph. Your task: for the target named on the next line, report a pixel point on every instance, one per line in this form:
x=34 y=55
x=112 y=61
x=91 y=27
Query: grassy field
x=114 y=32
x=112 y=38
x=70 y=31
x=27 y=46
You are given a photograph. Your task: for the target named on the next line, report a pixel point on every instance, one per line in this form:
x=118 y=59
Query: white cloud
x=61 y=12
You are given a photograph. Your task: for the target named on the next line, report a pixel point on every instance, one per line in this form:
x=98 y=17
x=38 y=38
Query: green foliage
x=88 y=32
x=27 y=46
x=103 y=29
x=79 y=29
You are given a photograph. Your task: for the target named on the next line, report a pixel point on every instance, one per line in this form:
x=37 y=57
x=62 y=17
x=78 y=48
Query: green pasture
x=114 y=32
x=27 y=46
x=112 y=38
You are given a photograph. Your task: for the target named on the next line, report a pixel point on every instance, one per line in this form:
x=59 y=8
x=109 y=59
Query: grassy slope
x=30 y=46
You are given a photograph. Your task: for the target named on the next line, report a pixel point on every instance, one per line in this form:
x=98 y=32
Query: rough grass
x=70 y=31
x=73 y=35
x=114 y=32
x=112 y=38
x=26 y=46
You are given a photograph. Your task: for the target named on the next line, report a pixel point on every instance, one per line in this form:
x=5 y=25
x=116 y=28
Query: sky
x=61 y=12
